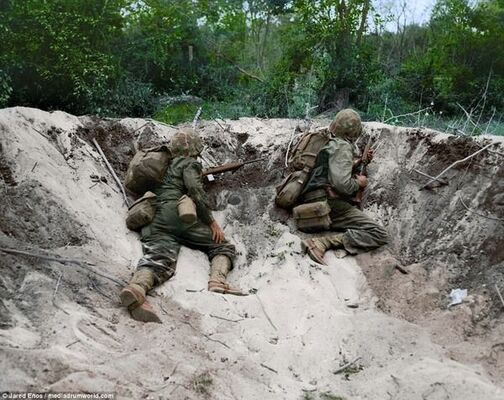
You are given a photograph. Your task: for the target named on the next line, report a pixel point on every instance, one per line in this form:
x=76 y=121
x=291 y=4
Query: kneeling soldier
x=332 y=179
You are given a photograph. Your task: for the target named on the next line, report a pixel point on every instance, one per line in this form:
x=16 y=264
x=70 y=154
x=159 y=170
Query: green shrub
x=5 y=88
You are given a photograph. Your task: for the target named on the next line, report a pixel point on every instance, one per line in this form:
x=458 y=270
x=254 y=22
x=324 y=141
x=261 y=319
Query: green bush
x=5 y=89
x=184 y=112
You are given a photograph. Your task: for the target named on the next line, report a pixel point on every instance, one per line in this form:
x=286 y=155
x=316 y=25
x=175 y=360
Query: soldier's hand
x=362 y=181
x=370 y=155
x=217 y=232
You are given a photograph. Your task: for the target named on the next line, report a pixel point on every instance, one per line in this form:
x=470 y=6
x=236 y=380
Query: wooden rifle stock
x=358 y=200
x=229 y=167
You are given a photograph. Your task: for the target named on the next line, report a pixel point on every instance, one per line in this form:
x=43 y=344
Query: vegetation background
x=266 y=58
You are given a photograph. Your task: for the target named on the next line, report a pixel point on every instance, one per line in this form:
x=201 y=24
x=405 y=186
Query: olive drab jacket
x=334 y=166
x=184 y=177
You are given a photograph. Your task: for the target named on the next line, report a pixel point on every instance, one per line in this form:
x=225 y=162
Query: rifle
x=358 y=200
x=228 y=167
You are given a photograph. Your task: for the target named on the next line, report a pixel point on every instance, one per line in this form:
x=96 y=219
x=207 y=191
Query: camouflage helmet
x=346 y=124
x=186 y=142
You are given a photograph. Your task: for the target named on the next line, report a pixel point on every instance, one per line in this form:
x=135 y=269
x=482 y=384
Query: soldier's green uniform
x=334 y=168
x=162 y=238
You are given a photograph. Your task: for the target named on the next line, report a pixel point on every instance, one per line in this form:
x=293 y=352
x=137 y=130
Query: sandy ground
x=62 y=328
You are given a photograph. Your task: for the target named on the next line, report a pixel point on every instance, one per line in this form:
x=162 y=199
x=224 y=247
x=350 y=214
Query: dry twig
x=57 y=285
x=244 y=72
x=80 y=263
x=265 y=313
x=71 y=344
x=401 y=269
x=194 y=290
x=499 y=294
x=46 y=257
x=226 y=319
x=196 y=118
x=468 y=115
x=218 y=123
x=456 y=163
x=347 y=365
x=289 y=146
x=442 y=182
x=206 y=336
x=477 y=213
x=406 y=115
x=268 y=368
x=112 y=172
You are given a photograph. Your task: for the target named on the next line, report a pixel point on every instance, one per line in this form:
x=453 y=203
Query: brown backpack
x=147 y=169
x=307 y=149
x=300 y=162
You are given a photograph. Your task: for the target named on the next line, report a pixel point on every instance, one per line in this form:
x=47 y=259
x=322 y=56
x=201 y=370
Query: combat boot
x=144 y=313
x=134 y=294
x=219 y=269
x=316 y=247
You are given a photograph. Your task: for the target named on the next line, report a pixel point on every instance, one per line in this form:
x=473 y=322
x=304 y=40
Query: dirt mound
x=61 y=327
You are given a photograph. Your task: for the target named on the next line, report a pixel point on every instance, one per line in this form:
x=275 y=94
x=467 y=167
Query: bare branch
x=226 y=319
x=456 y=163
x=196 y=118
x=344 y=367
x=442 y=182
x=265 y=313
x=468 y=115
x=80 y=263
x=408 y=114
x=112 y=172
x=250 y=75
x=499 y=294
x=268 y=368
x=477 y=213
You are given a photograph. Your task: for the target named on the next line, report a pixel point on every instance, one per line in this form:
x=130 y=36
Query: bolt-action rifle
x=358 y=200
x=228 y=167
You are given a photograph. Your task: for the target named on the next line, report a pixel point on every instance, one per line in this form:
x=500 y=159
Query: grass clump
x=202 y=384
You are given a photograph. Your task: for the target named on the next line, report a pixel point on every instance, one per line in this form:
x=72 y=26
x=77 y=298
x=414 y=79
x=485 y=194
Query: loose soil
x=61 y=327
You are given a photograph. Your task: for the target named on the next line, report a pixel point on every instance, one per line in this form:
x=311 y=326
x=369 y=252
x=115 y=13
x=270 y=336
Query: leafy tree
x=57 y=53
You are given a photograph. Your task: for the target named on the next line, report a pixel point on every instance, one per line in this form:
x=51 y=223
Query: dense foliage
x=255 y=57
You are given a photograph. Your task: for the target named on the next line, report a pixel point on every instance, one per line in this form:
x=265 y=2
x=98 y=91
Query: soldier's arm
x=341 y=163
x=193 y=181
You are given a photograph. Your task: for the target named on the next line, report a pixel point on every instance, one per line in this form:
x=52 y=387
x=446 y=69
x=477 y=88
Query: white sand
x=311 y=334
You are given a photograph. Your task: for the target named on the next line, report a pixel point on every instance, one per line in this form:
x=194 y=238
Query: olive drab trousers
x=360 y=231
x=161 y=241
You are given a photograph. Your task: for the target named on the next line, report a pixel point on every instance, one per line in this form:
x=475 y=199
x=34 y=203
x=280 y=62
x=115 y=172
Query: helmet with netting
x=186 y=142
x=346 y=124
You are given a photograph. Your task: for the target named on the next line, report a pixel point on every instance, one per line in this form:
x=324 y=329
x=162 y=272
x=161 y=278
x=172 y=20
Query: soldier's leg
x=361 y=231
x=221 y=256
x=155 y=267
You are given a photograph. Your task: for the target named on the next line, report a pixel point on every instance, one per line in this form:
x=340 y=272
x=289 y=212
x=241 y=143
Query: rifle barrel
x=230 y=166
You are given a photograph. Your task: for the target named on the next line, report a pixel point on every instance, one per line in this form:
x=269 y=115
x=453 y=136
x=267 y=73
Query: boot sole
x=129 y=297
x=144 y=315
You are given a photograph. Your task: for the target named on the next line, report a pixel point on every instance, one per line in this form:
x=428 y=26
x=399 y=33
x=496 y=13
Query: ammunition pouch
x=141 y=212
x=312 y=217
x=187 y=210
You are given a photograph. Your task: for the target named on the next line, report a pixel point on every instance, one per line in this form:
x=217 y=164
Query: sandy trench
x=286 y=340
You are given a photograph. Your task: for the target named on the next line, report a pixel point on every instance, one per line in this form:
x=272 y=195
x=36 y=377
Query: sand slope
x=283 y=342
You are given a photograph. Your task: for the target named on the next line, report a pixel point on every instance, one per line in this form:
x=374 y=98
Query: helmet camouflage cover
x=346 y=124
x=186 y=142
